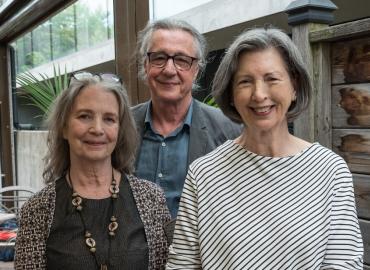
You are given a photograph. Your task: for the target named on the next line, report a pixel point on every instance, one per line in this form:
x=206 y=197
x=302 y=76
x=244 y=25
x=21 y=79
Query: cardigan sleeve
x=152 y=207
x=344 y=248
x=184 y=252
x=34 y=224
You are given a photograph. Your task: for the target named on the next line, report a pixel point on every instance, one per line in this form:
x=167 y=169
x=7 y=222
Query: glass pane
x=25 y=52
x=63 y=31
x=165 y=8
x=92 y=22
x=74 y=33
x=42 y=44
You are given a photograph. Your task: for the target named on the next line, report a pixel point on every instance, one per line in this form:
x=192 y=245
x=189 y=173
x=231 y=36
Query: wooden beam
x=142 y=8
x=304 y=126
x=6 y=124
x=342 y=31
x=31 y=15
x=130 y=16
x=9 y=8
x=322 y=94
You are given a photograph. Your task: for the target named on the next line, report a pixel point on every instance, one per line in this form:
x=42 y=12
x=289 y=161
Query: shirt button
x=163 y=144
x=160 y=175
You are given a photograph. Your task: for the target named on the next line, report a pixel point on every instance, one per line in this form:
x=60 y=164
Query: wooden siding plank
x=361 y=183
x=351 y=105
x=341 y=31
x=365 y=231
x=351 y=61
x=354 y=146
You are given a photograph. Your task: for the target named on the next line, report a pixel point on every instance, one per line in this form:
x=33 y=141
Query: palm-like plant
x=41 y=93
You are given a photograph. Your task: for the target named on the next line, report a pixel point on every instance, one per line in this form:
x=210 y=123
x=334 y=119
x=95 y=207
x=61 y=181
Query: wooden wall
x=351 y=120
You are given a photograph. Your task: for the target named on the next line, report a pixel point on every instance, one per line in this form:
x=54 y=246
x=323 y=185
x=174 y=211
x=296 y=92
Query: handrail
x=18 y=188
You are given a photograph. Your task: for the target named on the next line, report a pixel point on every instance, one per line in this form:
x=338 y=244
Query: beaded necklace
x=90 y=242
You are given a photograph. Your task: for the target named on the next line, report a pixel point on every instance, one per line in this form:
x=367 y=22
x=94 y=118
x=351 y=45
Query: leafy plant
x=210 y=100
x=41 y=93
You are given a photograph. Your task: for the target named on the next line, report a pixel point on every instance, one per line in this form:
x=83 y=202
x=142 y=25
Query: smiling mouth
x=263 y=110
x=94 y=143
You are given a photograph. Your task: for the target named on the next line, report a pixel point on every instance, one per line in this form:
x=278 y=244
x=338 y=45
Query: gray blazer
x=209 y=128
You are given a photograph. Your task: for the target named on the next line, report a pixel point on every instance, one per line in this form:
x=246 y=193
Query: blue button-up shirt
x=163 y=160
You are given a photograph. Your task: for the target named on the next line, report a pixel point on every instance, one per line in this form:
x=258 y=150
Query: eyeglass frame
x=173 y=60
x=115 y=78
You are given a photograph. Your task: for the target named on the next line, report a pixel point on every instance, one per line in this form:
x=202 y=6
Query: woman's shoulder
x=325 y=157
x=220 y=154
x=42 y=199
x=316 y=149
x=143 y=186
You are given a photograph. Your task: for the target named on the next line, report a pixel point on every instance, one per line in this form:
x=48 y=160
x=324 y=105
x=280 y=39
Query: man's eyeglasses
x=107 y=77
x=181 y=62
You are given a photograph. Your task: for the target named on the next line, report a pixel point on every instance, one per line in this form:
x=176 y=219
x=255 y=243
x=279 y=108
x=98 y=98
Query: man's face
x=167 y=83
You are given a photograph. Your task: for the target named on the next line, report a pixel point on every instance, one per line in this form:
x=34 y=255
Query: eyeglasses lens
x=181 y=62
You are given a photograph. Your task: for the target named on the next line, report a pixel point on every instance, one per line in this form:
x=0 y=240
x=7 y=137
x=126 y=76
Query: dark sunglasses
x=107 y=77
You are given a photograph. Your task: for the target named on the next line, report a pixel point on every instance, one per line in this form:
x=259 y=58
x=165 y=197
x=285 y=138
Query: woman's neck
x=92 y=182
x=277 y=144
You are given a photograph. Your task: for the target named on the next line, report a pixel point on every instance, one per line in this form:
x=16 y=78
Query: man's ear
x=146 y=66
x=196 y=72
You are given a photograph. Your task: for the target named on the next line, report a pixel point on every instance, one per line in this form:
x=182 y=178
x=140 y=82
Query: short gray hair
x=145 y=38
x=256 y=40
x=57 y=159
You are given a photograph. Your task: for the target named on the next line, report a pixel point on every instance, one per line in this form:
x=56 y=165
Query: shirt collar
x=187 y=120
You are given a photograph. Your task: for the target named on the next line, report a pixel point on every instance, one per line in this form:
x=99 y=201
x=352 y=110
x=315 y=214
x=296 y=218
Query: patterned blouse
x=36 y=218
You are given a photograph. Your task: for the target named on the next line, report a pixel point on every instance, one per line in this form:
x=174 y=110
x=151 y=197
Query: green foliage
x=34 y=59
x=42 y=92
x=209 y=100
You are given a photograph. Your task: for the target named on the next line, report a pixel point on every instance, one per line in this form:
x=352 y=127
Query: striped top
x=240 y=210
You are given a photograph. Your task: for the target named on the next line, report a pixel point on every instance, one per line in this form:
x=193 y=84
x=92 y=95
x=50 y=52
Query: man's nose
x=170 y=67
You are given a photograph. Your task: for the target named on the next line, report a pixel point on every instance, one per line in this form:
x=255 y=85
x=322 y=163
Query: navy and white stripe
x=240 y=210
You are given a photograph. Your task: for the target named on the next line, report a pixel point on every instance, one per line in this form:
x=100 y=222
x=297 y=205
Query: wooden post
x=304 y=17
x=6 y=124
x=130 y=17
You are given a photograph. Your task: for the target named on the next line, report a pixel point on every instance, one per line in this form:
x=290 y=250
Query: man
x=175 y=129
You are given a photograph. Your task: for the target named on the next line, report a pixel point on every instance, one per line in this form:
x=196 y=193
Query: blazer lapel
x=139 y=116
x=198 y=134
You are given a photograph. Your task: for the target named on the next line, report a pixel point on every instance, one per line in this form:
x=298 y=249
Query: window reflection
x=82 y=25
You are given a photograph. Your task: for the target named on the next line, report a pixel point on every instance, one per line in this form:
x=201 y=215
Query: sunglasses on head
x=107 y=77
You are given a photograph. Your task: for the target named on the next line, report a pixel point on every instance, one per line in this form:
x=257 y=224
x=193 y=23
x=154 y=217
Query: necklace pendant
x=103 y=267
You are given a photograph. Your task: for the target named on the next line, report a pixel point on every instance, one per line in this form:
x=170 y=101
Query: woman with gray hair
x=93 y=213
x=266 y=200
